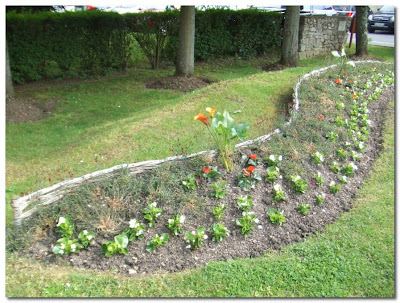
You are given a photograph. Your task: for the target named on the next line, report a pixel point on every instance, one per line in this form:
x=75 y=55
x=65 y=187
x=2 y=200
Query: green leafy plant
x=304 y=208
x=247 y=223
x=272 y=173
x=219 y=191
x=299 y=184
x=332 y=136
x=251 y=160
x=341 y=153
x=219 y=211
x=245 y=203
x=157 y=241
x=349 y=169
x=189 y=183
x=335 y=167
x=119 y=245
x=340 y=105
x=279 y=195
x=248 y=178
x=134 y=230
x=354 y=155
x=276 y=216
x=360 y=147
x=320 y=198
x=85 y=237
x=334 y=188
x=339 y=121
x=273 y=160
x=152 y=213
x=318 y=157
x=175 y=224
x=219 y=232
x=196 y=237
x=225 y=133
x=65 y=227
x=318 y=179
x=343 y=179
x=211 y=173
x=66 y=246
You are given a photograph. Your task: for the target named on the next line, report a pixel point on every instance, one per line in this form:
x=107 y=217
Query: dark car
x=383 y=19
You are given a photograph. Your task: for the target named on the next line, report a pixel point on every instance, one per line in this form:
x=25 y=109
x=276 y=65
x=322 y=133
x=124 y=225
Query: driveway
x=380 y=38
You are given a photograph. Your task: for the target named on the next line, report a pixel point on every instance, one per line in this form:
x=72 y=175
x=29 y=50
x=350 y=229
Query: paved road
x=381 y=38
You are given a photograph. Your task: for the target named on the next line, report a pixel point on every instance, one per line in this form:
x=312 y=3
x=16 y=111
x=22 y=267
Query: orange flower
x=253 y=157
x=338 y=81
x=202 y=118
x=211 y=111
x=355 y=96
x=250 y=169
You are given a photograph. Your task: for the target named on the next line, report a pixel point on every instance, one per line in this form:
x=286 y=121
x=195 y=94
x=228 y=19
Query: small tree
x=185 y=60
x=290 y=43
x=361 y=30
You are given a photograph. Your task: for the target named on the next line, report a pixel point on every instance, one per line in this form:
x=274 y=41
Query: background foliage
x=59 y=45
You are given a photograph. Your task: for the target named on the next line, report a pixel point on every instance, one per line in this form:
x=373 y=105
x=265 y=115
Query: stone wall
x=322 y=34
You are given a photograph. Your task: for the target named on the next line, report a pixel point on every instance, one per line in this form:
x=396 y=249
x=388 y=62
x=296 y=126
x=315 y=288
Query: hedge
x=50 y=44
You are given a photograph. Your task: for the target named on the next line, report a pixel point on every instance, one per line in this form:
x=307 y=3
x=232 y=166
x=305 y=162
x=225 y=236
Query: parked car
x=325 y=10
x=345 y=10
x=383 y=19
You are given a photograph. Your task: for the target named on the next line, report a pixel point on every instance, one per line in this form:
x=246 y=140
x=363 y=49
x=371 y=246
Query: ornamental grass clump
x=225 y=133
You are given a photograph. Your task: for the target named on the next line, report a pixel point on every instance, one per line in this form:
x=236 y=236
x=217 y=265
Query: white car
x=325 y=10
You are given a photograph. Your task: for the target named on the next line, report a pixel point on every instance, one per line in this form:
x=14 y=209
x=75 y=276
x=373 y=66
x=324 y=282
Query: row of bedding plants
x=258 y=191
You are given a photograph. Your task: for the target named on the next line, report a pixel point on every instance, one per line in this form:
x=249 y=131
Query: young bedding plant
x=272 y=173
x=190 y=183
x=175 y=224
x=157 y=241
x=276 y=216
x=247 y=223
x=304 y=208
x=134 y=230
x=248 y=178
x=320 y=198
x=245 y=203
x=219 y=190
x=319 y=180
x=152 y=213
x=225 y=133
x=219 y=211
x=219 y=232
x=196 y=237
x=211 y=173
x=118 y=246
x=299 y=184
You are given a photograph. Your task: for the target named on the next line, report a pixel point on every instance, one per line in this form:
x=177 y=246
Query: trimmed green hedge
x=49 y=44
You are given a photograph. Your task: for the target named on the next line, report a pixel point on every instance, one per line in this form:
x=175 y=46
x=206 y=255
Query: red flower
x=202 y=118
x=314 y=184
x=250 y=169
x=253 y=156
x=206 y=169
x=338 y=81
x=345 y=74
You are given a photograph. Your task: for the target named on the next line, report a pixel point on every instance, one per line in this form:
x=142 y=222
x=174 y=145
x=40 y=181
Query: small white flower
x=62 y=246
x=332 y=183
x=205 y=237
x=297 y=178
x=280 y=158
x=256 y=221
x=184 y=182
x=251 y=213
x=336 y=54
x=344 y=178
x=260 y=227
x=61 y=221
x=133 y=223
x=277 y=168
x=154 y=204
x=193 y=232
x=85 y=232
x=280 y=176
x=67 y=284
x=158 y=214
x=244 y=213
x=277 y=187
x=188 y=246
x=90 y=237
x=323 y=195
x=73 y=247
x=61 y=252
x=343 y=53
x=272 y=157
x=140 y=232
x=182 y=219
x=170 y=220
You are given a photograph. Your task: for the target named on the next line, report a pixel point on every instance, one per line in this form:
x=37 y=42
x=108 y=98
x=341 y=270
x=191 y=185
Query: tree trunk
x=361 y=31
x=185 y=62
x=290 y=43
x=9 y=84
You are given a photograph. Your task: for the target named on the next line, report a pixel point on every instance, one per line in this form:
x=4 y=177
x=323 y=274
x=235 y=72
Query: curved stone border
x=57 y=191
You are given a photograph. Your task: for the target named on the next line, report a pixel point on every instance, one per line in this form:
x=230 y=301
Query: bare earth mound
x=182 y=84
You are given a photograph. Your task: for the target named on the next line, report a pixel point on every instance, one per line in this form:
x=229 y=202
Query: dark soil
x=273 y=67
x=176 y=257
x=19 y=110
x=182 y=84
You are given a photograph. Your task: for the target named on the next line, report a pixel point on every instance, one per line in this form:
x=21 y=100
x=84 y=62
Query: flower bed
x=277 y=192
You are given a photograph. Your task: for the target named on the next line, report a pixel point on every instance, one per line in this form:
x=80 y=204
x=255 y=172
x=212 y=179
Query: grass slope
x=353 y=258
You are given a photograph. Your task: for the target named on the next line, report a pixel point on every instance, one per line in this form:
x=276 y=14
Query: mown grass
x=353 y=258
